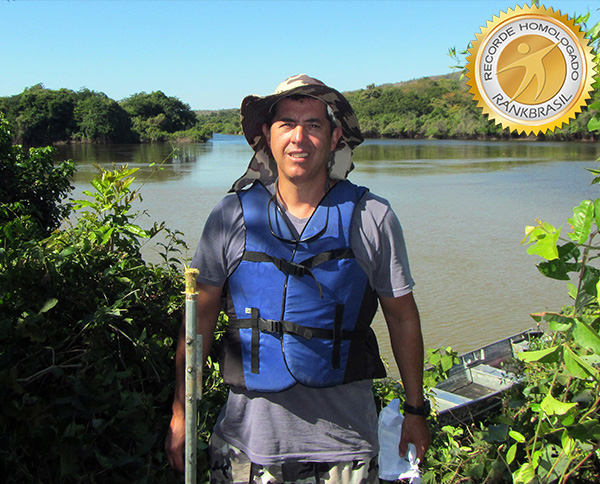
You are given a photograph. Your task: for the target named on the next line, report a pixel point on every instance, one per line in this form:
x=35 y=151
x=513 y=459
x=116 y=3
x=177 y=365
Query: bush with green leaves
x=558 y=435
x=547 y=430
x=87 y=339
x=31 y=187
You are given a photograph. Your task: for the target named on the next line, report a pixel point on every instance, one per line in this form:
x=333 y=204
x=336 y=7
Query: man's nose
x=298 y=134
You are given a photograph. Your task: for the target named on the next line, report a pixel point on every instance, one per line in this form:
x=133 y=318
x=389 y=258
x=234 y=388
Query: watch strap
x=423 y=410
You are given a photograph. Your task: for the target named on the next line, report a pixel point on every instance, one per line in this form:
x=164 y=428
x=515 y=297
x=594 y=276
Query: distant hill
x=224 y=121
x=438 y=107
x=429 y=107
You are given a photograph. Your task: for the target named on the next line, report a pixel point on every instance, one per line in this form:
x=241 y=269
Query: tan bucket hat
x=255 y=112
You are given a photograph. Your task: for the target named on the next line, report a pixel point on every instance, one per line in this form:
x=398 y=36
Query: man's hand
x=415 y=431
x=175 y=443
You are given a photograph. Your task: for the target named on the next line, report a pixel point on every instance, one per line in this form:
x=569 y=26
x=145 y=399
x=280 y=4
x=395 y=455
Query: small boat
x=475 y=385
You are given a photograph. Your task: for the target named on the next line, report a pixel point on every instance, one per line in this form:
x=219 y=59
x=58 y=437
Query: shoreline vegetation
x=41 y=117
x=438 y=107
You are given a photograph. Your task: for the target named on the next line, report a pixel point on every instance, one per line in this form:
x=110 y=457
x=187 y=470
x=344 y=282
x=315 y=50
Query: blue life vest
x=299 y=308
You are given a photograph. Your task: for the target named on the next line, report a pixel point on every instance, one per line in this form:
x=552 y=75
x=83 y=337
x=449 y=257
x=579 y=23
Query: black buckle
x=270 y=326
x=290 y=268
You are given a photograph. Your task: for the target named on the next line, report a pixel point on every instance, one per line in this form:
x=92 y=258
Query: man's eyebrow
x=294 y=120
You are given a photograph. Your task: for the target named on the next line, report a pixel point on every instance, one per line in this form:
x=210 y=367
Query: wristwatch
x=423 y=411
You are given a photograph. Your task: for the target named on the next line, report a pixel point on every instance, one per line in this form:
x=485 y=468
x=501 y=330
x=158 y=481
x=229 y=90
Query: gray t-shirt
x=306 y=424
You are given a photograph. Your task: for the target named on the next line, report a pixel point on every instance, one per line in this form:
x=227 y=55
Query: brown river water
x=463 y=207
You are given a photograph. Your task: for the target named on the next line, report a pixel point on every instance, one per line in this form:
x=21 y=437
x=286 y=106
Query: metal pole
x=193 y=375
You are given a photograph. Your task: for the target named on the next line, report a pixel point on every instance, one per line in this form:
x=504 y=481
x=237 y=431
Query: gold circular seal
x=530 y=69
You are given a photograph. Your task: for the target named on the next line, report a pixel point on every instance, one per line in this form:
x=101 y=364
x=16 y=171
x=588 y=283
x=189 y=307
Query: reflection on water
x=156 y=162
x=224 y=158
x=415 y=157
x=463 y=207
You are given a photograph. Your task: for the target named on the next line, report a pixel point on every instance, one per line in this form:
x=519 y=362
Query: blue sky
x=210 y=54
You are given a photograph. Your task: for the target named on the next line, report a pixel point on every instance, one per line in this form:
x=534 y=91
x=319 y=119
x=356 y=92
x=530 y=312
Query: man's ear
x=267 y=132
x=335 y=137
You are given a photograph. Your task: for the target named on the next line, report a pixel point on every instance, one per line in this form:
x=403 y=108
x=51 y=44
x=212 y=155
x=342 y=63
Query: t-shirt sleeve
x=221 y=245
x=378 y=245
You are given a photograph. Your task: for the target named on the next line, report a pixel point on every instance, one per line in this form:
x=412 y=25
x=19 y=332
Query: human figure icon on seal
x=534 y=68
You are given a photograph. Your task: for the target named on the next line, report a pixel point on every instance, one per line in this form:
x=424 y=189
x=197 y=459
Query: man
x=301 y=258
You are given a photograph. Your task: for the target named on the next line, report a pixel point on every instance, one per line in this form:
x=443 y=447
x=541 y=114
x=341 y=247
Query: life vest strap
x=303 y=268
x=299 y=269
x=259 y=324
x=289 y=327
x=283 y=265
x=254 y=359
x=328 y=255
x=337 y=336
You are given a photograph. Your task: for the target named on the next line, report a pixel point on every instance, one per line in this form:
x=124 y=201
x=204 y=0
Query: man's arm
x=208 y=308
x=404 y=326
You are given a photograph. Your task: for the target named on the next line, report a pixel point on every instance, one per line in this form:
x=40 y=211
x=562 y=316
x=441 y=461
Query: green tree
x=44 y=116
x=166 y=113
x=100 y=119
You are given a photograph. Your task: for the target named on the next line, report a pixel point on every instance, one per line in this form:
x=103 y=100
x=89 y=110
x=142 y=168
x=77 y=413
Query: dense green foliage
x=30 y=186
x=422 y=108
x=225 y=121
x=438 y=108
x=169 y=113
x=100 y=119
x=87 y=329
x=156 y=117
x=43 y=116
x=432 y=107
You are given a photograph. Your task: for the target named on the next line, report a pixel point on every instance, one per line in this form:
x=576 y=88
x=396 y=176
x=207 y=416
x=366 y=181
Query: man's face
x=301 y=139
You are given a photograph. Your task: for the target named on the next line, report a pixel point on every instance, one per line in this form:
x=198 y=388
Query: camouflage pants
x=229 y=465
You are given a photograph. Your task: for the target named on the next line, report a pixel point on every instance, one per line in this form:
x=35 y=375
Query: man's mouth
x=299 y=154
